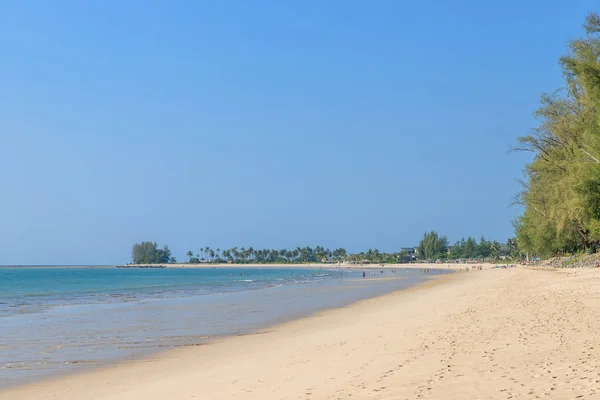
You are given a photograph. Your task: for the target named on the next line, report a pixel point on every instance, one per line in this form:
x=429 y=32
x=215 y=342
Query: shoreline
x=442 y=266
x=452 y=266
x=427 y=280
x=249 y=311
x=526 y=332
x=220 y=340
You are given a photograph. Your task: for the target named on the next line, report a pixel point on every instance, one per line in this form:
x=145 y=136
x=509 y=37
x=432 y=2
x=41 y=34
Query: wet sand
x=493 y=334
x=89 y=331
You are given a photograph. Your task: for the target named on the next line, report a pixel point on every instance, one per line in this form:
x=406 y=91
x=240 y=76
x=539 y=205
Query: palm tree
x=495 y=247
x=227 y=255
x=512 y=246
x=273 y=254
x=190 y=254
x=246 y=255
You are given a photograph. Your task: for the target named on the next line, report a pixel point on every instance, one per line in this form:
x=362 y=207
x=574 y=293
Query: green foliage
x=561 y=192
x=471 y=249
x=433 y=246
x=241 y=255
x=377 y=257
x=299 y=255
x=512 y=249
x=149 y=253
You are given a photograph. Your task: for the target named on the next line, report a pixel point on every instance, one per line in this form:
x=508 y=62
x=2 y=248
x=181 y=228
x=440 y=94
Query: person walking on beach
x=364 y=275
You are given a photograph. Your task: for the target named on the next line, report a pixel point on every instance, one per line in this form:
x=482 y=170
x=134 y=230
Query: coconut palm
x=495 y=247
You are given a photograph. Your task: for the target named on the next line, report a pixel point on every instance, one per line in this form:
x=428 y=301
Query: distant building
x=413 y=252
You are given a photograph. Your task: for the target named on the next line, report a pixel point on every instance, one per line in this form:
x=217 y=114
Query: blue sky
x=266 y=124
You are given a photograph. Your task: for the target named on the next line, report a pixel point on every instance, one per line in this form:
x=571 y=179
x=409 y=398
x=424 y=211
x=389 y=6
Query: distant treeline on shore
x=432 y=247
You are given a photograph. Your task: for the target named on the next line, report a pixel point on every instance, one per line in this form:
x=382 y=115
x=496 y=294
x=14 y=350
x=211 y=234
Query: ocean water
x=60 y=320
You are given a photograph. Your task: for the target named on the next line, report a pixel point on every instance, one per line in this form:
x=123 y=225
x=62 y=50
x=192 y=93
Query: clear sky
x=265 y=123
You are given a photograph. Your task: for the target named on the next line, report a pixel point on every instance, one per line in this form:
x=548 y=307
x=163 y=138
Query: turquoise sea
x=59 y=320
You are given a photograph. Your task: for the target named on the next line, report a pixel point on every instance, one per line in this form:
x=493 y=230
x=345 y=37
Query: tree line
x=299 y=255
x=431 y=247
x=250 y=255
x=436 y=247
x=561 y=189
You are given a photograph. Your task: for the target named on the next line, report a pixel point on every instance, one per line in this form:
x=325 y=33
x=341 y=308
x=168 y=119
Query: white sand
x=452 y=266
x=494 y=334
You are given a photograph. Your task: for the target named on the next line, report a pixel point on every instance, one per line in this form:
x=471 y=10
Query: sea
x=61 y=320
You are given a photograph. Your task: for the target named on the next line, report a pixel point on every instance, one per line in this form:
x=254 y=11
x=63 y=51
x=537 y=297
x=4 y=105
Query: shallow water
x=60 y=320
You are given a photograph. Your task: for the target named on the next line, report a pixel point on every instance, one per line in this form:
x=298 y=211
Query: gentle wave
x=30 y=290
x=182 y=309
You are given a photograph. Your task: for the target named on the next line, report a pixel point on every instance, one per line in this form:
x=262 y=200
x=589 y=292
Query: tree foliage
x=561 y=191
x=471 y=249
x=299 y=255
x=512 y=248
x=433 y=246
x=241 y=255
x=149 y=253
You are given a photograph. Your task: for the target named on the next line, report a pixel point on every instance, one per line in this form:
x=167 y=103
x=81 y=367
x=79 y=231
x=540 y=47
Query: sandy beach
x=445 y=266
x=492 y=334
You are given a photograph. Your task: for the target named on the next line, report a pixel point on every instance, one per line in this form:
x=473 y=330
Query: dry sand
x=494 y=334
